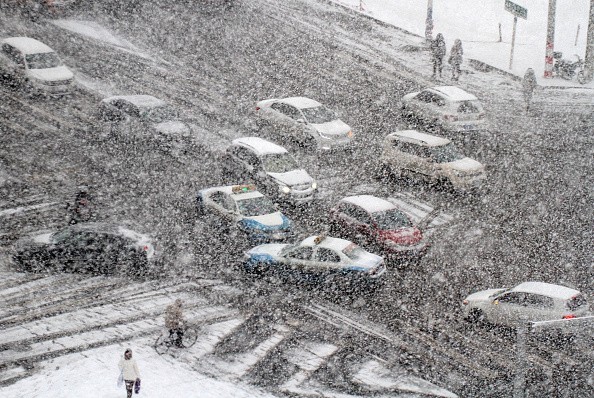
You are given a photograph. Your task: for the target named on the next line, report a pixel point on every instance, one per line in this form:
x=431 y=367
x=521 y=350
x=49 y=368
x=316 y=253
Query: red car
x=377 y=224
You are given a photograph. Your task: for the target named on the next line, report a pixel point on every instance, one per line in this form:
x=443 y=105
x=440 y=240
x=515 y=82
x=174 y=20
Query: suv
x=271 y=167
x=534 y=301
x=34 y=65
x=435 y=158
x=445 y=107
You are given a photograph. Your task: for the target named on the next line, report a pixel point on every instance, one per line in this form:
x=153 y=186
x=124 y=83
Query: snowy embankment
x=477 y=24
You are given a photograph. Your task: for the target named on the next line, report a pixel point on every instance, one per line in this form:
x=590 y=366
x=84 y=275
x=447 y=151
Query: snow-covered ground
x=94 y=374
x=476 y=23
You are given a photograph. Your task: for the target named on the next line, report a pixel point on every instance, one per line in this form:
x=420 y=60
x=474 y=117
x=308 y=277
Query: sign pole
x=513 y=43
x=548 y=71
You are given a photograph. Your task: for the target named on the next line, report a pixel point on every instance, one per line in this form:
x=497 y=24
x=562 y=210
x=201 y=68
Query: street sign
x=515 y=9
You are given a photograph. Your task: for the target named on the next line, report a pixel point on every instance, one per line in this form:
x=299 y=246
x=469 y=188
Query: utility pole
x=429 y=21
x=548 y=71
x=589 y=60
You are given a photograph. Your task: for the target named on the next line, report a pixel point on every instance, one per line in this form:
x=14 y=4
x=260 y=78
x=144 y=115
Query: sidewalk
x=482 y=49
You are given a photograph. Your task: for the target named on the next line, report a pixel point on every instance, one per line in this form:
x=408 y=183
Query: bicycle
x=166 y=341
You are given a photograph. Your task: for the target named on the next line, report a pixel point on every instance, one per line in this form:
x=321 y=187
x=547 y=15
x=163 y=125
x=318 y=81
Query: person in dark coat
x=456 y=59
x=438 y=51
x=528 y=85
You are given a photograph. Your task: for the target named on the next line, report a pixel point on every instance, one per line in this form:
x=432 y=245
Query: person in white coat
x=129 y=369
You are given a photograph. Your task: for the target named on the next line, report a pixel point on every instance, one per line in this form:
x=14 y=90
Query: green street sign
x=515 y=9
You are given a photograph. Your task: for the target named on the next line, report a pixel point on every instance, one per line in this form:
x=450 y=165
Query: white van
x=34 y=65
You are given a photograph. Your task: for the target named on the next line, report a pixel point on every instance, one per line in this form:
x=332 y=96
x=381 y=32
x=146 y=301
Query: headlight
x=285 y=189
x=314 y=185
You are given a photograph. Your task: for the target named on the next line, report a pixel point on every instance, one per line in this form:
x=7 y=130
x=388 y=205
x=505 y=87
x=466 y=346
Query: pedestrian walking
x=174 y=321
x=456 y=59
x=528 y=85
x=129 y=372
x=438 y=51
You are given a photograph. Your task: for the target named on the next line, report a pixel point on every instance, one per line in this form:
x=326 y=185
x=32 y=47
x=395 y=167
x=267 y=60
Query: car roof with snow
x=140 y=101
x=27 y=45
x=328 y=242
x=126 y=229
x=300 y=102
x=371 y=204
x=454 y=93
x=237 y=192
x=259 y=145
x=546 y=289
x=417 y=137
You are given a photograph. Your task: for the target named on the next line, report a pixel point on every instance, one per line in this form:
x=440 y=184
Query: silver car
x=445 y=107
x=306 y=121
x=529 y=301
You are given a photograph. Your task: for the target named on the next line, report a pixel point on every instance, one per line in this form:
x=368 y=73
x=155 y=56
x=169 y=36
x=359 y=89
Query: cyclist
x=174 y=321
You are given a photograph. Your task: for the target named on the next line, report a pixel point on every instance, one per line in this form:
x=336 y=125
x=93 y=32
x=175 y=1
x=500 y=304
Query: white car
x=529 y=301
x=34 y=65
x=306 y=121
x=445 y=107
x=243 y=208
x=432 y=157
x=317 y=259
x=271 y=168
x=141 y=115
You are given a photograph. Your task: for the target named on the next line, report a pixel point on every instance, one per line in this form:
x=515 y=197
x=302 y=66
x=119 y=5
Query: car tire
x=476 y=316
x=257 y=269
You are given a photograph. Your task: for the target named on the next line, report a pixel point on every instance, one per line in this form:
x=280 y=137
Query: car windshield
x=60 y=236
x=318 y=115
x=279 y=163
x=256 y=206
x=160 y=114
x=43 y=60
x=391 y=219
x=445 y=153
x=353 y=251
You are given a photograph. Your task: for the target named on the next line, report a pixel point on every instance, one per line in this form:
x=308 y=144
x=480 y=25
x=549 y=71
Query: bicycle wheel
x=190 y=337
x=161 y=345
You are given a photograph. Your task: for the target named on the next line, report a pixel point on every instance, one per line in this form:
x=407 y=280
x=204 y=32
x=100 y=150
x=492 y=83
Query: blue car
x=244 y=209
x=319 y=259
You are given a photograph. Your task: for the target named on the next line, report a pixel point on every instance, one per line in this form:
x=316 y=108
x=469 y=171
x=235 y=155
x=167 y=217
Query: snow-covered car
x=47 y=8
x=306 y=121
x=35 y=66
x=142 y=115
x=243 y=208
x=97 y=248
x=377 y=225
x=317 y=259
x=434 y=158
x=527 y=302
x=445 y=107
x=271 y=167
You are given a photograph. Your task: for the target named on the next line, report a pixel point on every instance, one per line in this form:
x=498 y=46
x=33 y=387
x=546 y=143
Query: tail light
x=465 y=302
x=451 y=118
x=569 y=316
x=145 y=248
x=257 y=108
